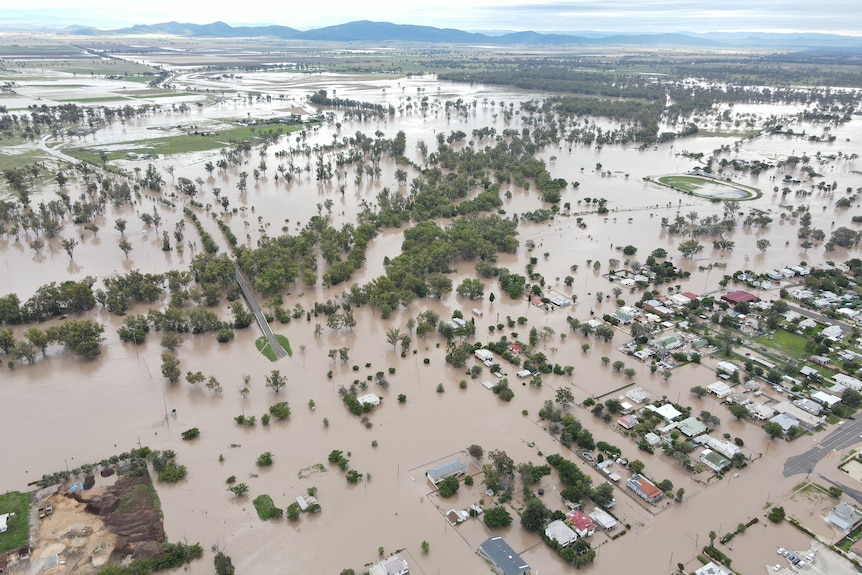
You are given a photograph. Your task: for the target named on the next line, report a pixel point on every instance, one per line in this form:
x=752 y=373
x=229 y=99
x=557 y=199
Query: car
x=588 y=456
x=786 y=553
x=800 y=564
x=791 y=557
x=781 y=550
x=777 y=567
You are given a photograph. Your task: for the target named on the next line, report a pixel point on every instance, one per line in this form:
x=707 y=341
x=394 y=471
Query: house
x=457 y=322
x=603 y=519
x=627 y=421
x=524 y=373
x=516 y=349
x=719 y=389
x=369 y=399
x=736 y=297
x=307 y=501
x=657 y=308
x=680 y=299
x=667 y=411
x=645 y=488
x=844 y=517
x=760 y=411
x=825 y=398
x=652 y=439
x=787 y=422
x=726 y=367
x=808 y=405
x=847 y=381
x=725 y=448
x=581 y=523
x=638 y=395
x=808 y=371
x=712 y=569
x=714 y=460
x=561 y=533
x=833 y=332
x=644 y=354
x=503 y=558
x=560 y=301
x=452 y=469
x=394 y=565
x=485 y=356
x=691 y=427
x=454 y=516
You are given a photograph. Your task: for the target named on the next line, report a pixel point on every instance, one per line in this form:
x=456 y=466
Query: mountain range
x=367 y=31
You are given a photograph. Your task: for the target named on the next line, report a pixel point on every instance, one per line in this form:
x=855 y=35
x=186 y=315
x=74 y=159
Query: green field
x=19 y=526
x=708 y=188
x=180 y=144
x=263 y=346
x=789 y=344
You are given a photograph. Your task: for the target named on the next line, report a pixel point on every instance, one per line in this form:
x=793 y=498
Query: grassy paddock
x=789 y=344
x=181 y=144
x=19 y=527
x=700 y=187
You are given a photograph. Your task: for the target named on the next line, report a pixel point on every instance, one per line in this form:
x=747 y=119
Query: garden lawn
x=789 y=344
x=18 y=533
x=262 y=345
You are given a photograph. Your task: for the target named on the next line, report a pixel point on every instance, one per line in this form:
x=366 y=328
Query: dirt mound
x=130 y=510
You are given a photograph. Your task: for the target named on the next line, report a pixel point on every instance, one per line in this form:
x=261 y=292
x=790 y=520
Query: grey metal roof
x=504 y=558
x=441 y=472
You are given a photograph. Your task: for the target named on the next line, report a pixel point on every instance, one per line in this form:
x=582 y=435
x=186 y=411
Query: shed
x=502 y=557
x=4 y=519
x=736 y=297
x=603 y=519
x=451 y=469
x=825 y=398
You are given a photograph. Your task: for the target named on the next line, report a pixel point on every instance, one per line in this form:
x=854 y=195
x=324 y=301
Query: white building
x=369 y=399
x=719 y=389
x=561 y=533
x=394 y=565
x=486 y=356
x=726 y=367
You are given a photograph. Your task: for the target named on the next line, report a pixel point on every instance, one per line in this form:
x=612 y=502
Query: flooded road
x=67 y=411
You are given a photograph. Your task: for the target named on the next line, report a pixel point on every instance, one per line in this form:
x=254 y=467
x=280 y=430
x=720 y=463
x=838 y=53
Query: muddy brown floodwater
x=62 y=411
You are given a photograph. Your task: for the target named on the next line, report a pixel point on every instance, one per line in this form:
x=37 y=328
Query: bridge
x=248 y=294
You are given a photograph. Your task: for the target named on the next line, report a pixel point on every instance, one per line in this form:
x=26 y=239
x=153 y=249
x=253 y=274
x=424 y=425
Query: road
x=820 y=317
x=43 y=145
x=258 y=314
x=841 y=438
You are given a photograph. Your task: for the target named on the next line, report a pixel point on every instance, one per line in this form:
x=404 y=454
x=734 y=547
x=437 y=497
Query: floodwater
x=65 y=411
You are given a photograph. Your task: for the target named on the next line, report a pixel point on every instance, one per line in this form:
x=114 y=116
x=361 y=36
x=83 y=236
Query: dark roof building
x=736 y=297
x=503 y=558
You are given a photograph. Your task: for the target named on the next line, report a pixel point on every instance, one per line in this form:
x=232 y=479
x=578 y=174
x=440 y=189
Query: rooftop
x=504 y=558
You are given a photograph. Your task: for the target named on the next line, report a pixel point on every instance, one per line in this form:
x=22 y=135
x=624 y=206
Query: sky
x=826 y=16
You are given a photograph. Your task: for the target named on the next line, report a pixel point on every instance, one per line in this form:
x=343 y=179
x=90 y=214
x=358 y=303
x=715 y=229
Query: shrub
x=265 y=508
x=191 y=433
x=280 y=410
x=264 y=459
x=172 y=473
x=293 y=511
x=776 y=515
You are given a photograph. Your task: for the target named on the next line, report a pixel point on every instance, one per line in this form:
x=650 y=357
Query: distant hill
x=368 y=31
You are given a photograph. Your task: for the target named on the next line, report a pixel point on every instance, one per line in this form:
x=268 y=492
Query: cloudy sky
x=830 y=16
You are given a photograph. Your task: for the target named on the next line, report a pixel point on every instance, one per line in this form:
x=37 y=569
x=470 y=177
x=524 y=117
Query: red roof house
x=581 y=523
x=690 y=295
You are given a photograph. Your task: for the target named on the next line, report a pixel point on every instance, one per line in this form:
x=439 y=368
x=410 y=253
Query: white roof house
x=561 y=533
x=369 y=399
x=486 y=356
x=825 y=398
x=667 y=411
x=394 y=565
x=833 y=332
x=787 y=422
x=760 y=411
x=847 y=381
x=638 y=395
x=726 y=367
x=453 y=468
x=719 y=389
x=712 y=569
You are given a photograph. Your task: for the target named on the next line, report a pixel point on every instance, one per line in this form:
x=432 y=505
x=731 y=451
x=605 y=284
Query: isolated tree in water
x=276 y=381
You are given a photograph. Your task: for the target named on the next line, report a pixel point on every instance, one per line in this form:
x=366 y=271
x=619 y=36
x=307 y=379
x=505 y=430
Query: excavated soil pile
x=130 y=510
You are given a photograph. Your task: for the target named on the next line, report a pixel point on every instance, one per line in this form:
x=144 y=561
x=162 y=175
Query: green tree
x=636 y=466
x=564 y=397
x=849 y=397
x=39 y=339
x=497 y=517
x=393 y=335
x=603 y=495
x=471 y=288
x=739 y=411
x=776 y=515
x=448 y=487
x=763 y=244
x=170 y=367
x=223 y=564
x=689 y=248
x=699 y=391
x=239 y=490
x=275 y=381
x=535 y=516
x=773 y=429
